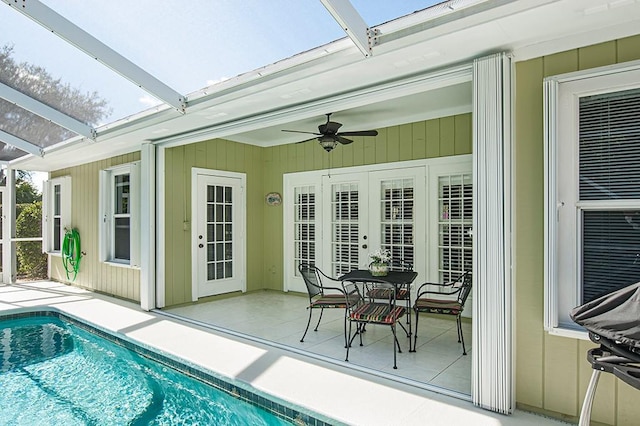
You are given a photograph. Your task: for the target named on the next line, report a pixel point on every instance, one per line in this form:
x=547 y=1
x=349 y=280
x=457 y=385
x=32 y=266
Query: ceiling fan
x=328 y=134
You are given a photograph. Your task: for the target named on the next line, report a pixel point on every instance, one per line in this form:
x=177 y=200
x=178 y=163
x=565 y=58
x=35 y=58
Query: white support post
x=493 y=376
x=160 y=226
x=148 y=227
x=9 y=229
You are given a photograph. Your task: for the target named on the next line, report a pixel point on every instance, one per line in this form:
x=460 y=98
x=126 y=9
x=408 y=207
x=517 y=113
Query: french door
x=367 y=211
x=218 y=233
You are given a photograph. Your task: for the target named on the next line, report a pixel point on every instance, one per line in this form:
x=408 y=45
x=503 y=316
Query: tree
x=36 y=82
x=31 y=261
x=26 y=193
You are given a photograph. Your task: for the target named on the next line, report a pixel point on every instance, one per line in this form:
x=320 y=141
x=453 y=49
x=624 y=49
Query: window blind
x=609 y=150
x=610 y=146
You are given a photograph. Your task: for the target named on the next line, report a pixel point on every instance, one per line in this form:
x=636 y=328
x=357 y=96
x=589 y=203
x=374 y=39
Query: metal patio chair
x=324 y=297
x=365 y=312
x=376 y=292
x=449 y=299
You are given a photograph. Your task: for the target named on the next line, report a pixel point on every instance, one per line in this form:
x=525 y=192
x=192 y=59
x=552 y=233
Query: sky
x=187 y=45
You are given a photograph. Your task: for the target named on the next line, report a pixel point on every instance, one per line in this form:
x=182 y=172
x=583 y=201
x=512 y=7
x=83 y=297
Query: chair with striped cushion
x=375 y=292
x=323 y=297
x=449 y=299
x=369 y=312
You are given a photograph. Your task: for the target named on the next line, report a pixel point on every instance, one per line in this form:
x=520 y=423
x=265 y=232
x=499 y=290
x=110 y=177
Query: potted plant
x=379 y=265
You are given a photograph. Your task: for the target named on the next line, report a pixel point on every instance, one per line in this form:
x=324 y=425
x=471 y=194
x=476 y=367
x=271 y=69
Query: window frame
x=49 y=215
x=562 y=208
x=108 y=215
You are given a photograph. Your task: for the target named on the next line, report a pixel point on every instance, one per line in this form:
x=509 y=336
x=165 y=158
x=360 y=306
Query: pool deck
x=331 y=390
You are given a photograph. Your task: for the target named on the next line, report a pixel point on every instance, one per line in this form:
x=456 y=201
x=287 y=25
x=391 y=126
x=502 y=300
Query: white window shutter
x=46 y=210
x=135 y=215
x=65 y=203
x=103 y=215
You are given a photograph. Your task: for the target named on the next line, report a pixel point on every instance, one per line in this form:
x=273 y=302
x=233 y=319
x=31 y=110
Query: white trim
x=48 y=207
x=379 y=93
x=562 y=236
x=148 y=227
x=106 y=216
x=9 y=228
x=160 y=228
x=493 y=378
x=292 y=180
x=240 y=208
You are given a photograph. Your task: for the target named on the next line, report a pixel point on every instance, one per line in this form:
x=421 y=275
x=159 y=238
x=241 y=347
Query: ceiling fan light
x=327 y=143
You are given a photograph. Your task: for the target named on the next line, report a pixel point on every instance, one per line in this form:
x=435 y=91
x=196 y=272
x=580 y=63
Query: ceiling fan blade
x=343 y=141
x=360 y=133
x=308 y=140
x=300 y=131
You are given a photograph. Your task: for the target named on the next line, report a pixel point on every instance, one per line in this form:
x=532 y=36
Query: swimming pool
x=55 y=370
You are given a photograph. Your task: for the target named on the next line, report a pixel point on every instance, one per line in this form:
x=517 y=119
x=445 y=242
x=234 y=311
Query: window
x=120 y=209
x=56 y=212
x=455 y=219
x=304 y=222
x=592 y=236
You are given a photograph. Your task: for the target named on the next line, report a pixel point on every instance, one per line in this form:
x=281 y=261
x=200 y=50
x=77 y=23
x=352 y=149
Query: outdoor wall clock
x=273 y=199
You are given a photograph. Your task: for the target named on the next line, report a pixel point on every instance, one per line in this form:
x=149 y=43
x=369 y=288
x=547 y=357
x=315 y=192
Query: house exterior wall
x=552 y=372
x=265 y=168
x=119 y=281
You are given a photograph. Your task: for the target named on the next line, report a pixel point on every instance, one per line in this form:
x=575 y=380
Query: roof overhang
x=419 y=70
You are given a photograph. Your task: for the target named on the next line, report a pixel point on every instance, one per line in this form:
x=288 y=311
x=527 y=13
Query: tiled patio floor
x=282 y=317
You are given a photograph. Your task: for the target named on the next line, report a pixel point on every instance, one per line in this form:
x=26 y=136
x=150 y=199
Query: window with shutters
x=56 y=218
x=304 y=223
x=593 y=198
x=397 y=220
x=120 y=215
x=455 y=245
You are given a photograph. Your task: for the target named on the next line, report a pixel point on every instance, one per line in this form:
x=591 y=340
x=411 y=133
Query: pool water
x=54 y=373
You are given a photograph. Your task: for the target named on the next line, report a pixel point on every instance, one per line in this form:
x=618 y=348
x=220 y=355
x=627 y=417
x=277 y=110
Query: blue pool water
x=54 y=373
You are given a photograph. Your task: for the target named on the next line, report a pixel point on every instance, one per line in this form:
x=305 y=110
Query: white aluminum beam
x=46 y=112
x=350 y=20
x=21 y=144
x=93 y=47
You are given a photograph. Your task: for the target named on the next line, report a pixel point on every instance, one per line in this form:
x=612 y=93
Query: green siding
x=118 y=281
x=552 y=372
x=265 y=168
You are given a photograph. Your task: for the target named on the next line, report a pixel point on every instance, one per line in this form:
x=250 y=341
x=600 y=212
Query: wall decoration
x=273 y=199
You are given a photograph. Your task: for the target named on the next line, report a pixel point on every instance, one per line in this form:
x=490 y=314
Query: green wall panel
x=98 y=276
x=551 y=371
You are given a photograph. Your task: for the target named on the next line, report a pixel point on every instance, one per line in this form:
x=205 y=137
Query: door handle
x=200 y=245
x=364 y=246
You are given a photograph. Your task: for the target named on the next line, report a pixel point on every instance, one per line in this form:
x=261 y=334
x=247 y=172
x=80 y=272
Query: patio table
x=398 y=279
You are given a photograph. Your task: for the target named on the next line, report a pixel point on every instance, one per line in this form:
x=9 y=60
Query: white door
x=218 y=234
x=345 y=230
x=365 y=212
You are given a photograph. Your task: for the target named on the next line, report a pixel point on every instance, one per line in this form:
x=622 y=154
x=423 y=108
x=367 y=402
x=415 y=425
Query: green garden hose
x=71 y=253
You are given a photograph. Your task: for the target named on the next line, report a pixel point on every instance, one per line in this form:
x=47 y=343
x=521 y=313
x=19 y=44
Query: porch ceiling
x=418 y=70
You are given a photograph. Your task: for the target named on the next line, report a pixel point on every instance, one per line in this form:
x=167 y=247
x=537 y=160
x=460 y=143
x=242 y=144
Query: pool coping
x=337 y=392
x=241 y=390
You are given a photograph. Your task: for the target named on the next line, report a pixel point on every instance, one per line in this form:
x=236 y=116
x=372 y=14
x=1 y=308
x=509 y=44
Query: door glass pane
x=454 y=225
x=344 y=228
x=397 y=226
x=304 y=226
x=219 y=232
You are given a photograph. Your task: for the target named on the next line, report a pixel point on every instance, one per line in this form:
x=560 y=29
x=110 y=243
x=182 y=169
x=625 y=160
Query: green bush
x=32 y=263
